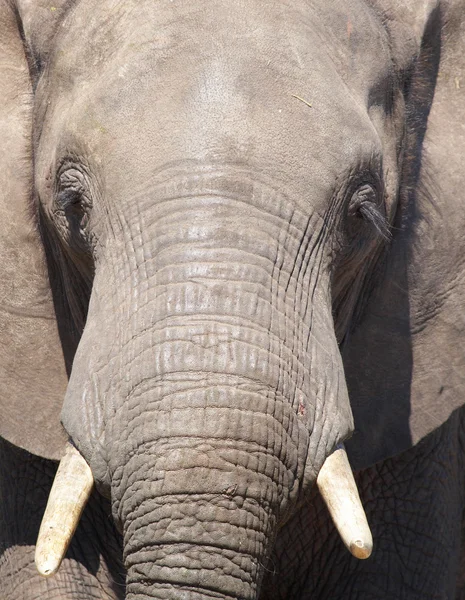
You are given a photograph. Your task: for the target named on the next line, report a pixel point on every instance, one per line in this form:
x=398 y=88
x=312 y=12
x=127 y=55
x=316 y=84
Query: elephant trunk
x=187 y=533
x=215 y=390
x=212 y=463
x=209 y=457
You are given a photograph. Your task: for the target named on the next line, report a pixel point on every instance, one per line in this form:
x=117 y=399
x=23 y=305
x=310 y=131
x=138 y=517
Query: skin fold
x=232 y=241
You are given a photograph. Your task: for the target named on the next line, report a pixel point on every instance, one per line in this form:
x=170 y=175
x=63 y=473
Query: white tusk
x=339 y=491
x=68 y=497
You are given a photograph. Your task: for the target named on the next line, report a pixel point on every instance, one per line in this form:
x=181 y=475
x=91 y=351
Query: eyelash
x=365 y=203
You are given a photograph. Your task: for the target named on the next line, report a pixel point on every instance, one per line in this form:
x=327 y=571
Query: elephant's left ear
x=32 y=372
x=405 y=361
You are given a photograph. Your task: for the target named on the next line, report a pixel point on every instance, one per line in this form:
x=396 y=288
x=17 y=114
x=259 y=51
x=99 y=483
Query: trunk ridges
x=196 y=546
x=232 y=438
x=223 y=352
x=217 y=230
x=148 y=589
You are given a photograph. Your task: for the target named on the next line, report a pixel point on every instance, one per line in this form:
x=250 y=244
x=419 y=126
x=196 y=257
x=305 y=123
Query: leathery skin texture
x=225 y=199
x=92 y=569
x=410 y=561
x=195 y=408
x=308 y=561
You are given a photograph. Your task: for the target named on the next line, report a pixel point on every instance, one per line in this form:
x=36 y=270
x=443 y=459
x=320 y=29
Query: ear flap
x=405 y=361
x=32 y=373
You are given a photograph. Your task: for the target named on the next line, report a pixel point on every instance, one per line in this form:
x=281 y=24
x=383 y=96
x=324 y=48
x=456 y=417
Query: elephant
x=232 y=246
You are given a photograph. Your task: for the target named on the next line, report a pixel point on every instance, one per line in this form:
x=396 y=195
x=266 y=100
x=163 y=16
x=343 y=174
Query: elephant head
x=220 y=196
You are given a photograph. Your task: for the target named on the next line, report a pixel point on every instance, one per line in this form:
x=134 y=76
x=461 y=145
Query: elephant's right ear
x=32 y=372
x=404 y=359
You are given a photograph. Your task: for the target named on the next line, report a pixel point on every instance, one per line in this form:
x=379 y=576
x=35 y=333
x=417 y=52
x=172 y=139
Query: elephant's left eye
x=72 y=186
x=69 y=199
x=72 y=207
x=73 y=197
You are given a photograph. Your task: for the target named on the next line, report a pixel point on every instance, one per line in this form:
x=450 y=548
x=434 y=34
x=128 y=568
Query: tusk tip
x=360 y=549
x=47 y=566
x=337 y=487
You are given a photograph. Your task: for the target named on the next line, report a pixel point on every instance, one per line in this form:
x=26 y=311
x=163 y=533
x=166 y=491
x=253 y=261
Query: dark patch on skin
x=385 y=420
x=363 y=242
x=71 y=291
x=94 y=563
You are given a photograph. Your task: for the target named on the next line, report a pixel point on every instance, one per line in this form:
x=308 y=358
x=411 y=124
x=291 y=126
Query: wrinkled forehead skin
x=143 y=83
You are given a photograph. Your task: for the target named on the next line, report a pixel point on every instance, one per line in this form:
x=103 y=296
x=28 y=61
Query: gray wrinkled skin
x=251 y=218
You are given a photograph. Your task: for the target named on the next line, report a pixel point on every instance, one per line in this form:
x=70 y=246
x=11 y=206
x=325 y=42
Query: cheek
x=352 y=276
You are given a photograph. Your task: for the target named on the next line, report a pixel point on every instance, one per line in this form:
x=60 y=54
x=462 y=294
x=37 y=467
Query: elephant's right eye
x=365 y=204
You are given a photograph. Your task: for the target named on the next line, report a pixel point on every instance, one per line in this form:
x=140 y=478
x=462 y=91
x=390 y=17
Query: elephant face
x=215 y=191
x=208 y=199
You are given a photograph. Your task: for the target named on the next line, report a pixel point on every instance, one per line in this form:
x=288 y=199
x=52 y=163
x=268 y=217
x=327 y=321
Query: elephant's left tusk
x=339 y=491
x=68 y=497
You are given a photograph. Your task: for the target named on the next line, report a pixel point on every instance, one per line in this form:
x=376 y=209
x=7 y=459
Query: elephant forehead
x=110 y=41
x=289 y=32
x=267 y=84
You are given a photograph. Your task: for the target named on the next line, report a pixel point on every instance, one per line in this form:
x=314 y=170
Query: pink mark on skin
x=301 y=410
x=349 y=27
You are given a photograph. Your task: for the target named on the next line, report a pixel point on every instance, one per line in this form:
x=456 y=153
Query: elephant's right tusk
x=68 y=497
x=339 y=491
